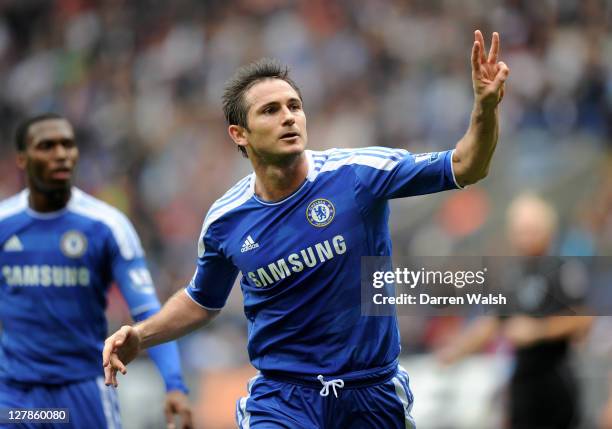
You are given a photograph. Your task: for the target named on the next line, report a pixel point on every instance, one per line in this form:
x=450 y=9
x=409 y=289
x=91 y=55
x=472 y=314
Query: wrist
x=483 y=110
x=139 y=331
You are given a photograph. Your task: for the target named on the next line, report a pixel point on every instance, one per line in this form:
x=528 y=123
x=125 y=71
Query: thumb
x=123 y=334
x=502 y=74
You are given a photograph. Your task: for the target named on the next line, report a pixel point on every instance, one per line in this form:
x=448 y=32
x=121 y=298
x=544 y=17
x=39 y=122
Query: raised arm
x=474 y=151
x=179 y=316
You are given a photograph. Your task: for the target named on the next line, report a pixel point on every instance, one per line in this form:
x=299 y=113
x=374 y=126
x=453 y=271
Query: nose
x=288 y=118
x=60 y=152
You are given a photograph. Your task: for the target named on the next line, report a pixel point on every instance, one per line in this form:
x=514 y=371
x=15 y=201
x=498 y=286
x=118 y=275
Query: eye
x=295 y=106
x=68 y=143
x=45 y=145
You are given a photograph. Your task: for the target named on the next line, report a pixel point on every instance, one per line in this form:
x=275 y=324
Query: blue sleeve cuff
x=450 y=161
x=191 y=293
x=176 y=385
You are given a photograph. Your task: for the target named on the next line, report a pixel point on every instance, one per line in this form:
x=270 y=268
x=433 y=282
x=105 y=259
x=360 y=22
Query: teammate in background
x=297 y=228
x=60 y=249
x=543 y=388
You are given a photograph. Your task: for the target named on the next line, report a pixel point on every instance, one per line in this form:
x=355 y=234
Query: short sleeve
x=395 y=173
x=215 y=274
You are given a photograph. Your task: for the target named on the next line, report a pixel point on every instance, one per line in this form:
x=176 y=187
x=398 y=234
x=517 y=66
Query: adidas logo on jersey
x=249 y=244
x=13 y=245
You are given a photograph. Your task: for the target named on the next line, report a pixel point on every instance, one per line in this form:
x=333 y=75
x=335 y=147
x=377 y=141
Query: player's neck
x=275 y=182
x=51 y=201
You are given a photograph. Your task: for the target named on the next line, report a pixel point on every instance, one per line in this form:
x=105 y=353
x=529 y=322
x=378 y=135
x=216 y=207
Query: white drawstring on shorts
x=333 y=383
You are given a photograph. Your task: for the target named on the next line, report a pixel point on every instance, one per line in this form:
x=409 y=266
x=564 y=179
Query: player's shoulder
x=373 y=156
x=236 y=196
x=230 y=202
x=91 y=207
x=96 y=210
x=13 y=205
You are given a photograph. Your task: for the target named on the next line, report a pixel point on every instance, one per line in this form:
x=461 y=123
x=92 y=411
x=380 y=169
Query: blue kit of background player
x=60 y=249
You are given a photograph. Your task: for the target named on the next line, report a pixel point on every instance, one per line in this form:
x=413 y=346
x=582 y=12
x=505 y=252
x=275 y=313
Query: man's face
x=50 y=156
x=276 y=120
x=529 y=231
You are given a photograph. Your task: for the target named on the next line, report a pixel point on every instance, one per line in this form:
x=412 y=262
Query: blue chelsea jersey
x=300 y=258
x=55 y=271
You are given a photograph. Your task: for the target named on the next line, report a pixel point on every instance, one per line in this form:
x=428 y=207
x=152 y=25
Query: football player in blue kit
x=296 y=229
x=60 y=249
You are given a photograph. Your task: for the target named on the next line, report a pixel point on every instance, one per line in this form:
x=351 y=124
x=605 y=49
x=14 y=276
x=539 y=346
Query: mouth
x=61 y=174
x=290 y=135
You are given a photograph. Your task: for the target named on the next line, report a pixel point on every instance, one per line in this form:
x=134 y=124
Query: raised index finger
x=480 y=39
x=494 y=51
x=476 y=48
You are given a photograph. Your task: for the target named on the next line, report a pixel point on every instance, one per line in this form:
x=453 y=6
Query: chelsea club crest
x=320 y=212
x=73 y=244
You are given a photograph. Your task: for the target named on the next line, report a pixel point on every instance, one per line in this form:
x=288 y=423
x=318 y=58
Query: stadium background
x=142 y=80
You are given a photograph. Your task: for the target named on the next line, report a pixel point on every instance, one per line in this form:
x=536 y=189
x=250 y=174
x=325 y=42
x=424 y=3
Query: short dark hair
x=21 y=133
x=234 y=104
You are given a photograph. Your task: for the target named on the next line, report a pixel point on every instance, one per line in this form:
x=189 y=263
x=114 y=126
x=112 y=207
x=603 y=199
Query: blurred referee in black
x=543 y=391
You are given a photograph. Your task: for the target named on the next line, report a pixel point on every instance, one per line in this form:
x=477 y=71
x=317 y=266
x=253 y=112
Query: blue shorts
x=90 y=403
x=381 y=399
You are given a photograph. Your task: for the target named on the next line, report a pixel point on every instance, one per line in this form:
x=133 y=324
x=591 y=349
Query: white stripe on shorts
x=110 y=414
x=242 y=415
x=402 y=394
x=115 y=402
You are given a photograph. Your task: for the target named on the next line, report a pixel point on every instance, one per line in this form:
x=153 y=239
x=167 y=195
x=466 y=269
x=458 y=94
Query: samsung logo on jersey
x=45 y=275
x=296 y=262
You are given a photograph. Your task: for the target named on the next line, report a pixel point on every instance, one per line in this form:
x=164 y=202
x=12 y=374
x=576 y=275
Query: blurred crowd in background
x=142 y=80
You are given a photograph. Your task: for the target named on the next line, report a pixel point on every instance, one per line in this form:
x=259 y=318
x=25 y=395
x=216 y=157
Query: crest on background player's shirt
x=73 y=244
x=320 y=212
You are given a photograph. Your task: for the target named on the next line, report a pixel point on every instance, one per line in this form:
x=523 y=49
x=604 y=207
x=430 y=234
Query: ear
x=22 y=160
x=238 y=134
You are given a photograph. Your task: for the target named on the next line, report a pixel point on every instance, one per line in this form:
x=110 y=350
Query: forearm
x=166 y=359
x=561 y=327
x=179 y=316
x=473 y=153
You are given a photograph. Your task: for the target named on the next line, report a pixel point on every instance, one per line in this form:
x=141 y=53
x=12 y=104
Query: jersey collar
x=310 y=176
x=47 y=215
